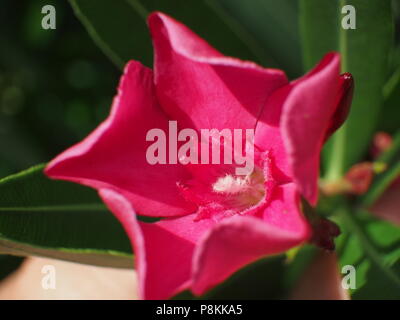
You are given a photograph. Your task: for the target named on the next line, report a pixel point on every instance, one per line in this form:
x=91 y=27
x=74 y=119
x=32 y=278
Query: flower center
x=229 y=195
x=241 y=191
x=218 y=192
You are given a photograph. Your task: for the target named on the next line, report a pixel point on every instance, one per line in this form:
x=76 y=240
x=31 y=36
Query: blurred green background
x=55 y=85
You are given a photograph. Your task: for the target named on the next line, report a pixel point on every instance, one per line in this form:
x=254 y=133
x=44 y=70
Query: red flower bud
x=382 y=142
x=324 y=233
x=344 y=99
x=359 y=177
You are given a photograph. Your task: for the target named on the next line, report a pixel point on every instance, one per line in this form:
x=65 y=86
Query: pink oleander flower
x=211 y=224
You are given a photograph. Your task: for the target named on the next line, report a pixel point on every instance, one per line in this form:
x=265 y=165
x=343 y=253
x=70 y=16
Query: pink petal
x=114 y=155
x=284 y=212
x=163 y=250
x=240 y=240
x=200 y=87
x=306 y=116
x=268 y=135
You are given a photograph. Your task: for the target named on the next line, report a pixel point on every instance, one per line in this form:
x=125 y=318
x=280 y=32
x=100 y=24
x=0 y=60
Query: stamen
x=231 y=185
x=241 y=192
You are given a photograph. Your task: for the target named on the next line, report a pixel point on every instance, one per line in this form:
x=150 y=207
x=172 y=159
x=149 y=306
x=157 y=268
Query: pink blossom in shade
x=213 y=222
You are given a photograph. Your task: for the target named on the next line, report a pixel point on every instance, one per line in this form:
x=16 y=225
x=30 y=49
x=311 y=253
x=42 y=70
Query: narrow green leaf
x=391 y=159
x=264 y=31
x=318 y=29
x=117 y=27
x=389 y=120
x=273 y=26
x=120 y=30
x=297 y=265
x=372 y=247
x=364 y=53
x=209 y=20
x=381 y=183
x=61 y=220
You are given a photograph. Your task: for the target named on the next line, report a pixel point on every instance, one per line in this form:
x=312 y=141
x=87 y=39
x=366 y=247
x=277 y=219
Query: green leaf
x=273 y=26
x=209 y=20
x=318 y=29
x=296 y=266
x=264 y=32
x=391 y=159
x=390 y=116
x=117 y=27
x=60 y=220
x=373 y=248
x=364 y=53
x=381 y=183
